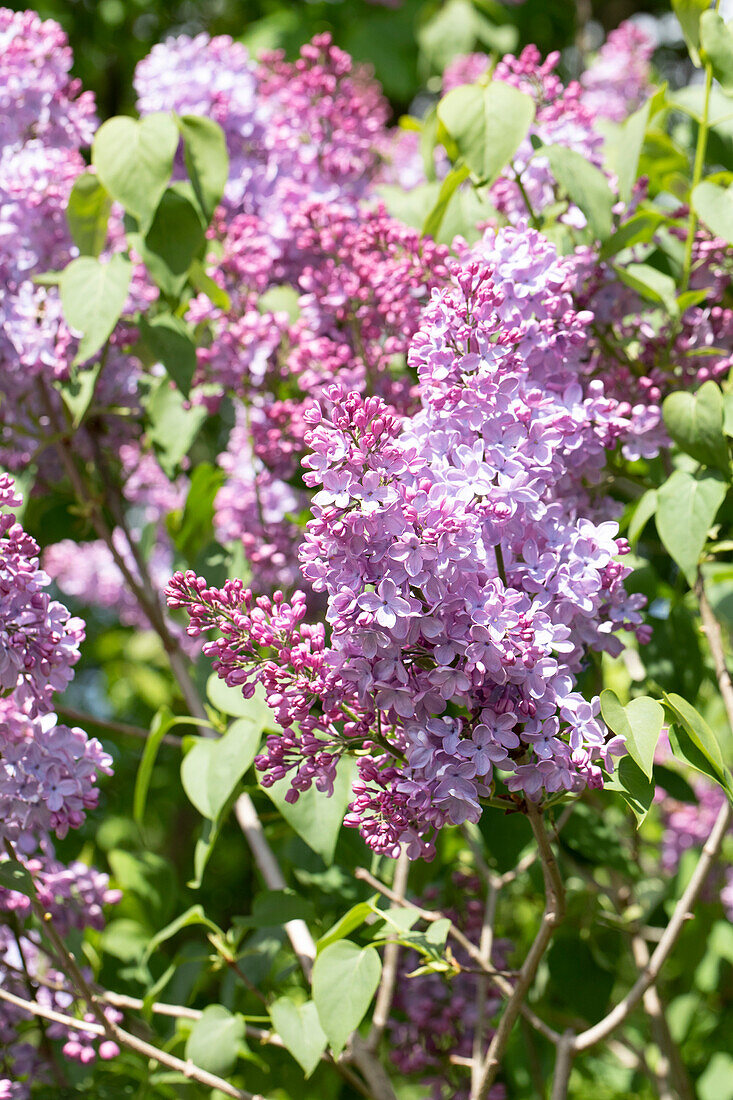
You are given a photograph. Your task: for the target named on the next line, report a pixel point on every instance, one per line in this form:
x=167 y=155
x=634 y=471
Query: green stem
x=700 y=150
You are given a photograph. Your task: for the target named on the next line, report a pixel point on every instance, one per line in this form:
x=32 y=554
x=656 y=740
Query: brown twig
x=188 y=1069
x=553 y=914
x=85 y=720
x=385 y=993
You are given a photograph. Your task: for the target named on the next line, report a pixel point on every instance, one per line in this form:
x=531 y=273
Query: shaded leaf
x=686 y=510
x=169 y=340
x=207 y=160
x=93 y=295
x=299 y=1028
x=215 y=1040
x=585 y=185
x=345 y=978
x=88 y=213
x=630 y=782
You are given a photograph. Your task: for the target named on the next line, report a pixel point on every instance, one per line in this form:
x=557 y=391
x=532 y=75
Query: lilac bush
x=380 y=743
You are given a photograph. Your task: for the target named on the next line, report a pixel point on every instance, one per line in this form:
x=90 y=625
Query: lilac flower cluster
x=362 y=280
x=39 y=640
x=27 y=972
x=618 y=79
x=38 y=98
x=687 y=826
x=464 y=579
x=48 y=776
x=294 y=130
x=43 y=122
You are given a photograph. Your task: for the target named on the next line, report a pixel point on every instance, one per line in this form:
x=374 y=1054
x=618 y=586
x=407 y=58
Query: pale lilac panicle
x=39 y=640
x=38 y=98
x=423 y=610
x=48 y=776
x=618 y=79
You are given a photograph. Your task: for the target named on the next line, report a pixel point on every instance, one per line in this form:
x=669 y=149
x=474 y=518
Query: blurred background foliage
x=407 y=43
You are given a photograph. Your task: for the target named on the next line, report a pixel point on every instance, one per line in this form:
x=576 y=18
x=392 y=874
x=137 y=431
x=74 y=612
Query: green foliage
x=585 y=185
x=688 y=12
x=695 y=423
x=174 y=239
x=639 y=723
x=345 y=978
x=316 y=817
x=134 y=161
x=169 y=341
x=173 y=425
x=486 y=124
x=714 y=206
x=299 y=1028
x=162 y=722
x=694 y=742
x=93 y=294
x=716 y=48
x=87 y=214
x=212 y=769
x=216 y=1040
x=634 y=786
x=686 y=509
x=207 y=160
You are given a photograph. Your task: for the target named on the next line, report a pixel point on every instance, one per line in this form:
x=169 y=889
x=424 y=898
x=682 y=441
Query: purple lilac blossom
x=458 y=566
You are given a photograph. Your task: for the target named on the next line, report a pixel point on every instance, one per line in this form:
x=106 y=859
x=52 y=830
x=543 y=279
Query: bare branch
x=563 y=1066
x=188 y=1069
x=385 y=993
x=552 y=916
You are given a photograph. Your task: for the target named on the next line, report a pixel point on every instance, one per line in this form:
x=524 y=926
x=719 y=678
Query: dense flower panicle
x=324 y=117
x=38 y=98
x=434 y=1016
x=618 y=79
x=255 y=508
x=48 y=775
x=39 y=640
x=362 y=280
x=459 y=567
